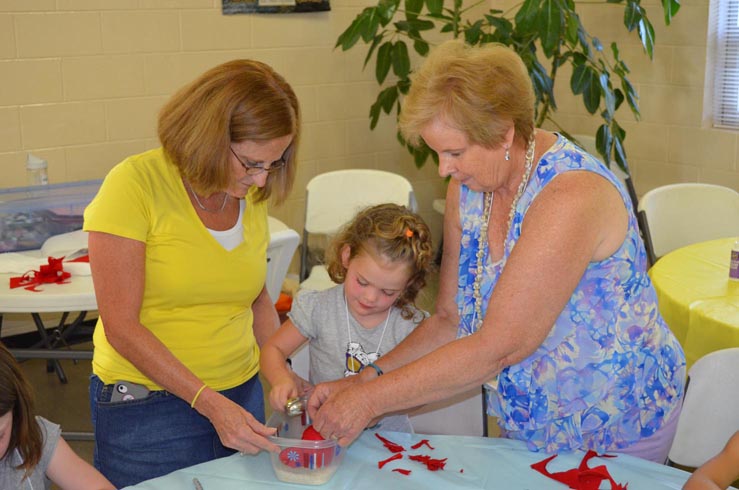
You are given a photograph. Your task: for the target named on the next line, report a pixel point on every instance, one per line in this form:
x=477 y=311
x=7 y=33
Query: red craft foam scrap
x=390 y=445
x=402 y=471
x=431 y=463
x=382 y=463
x=582 y=477
x=424 y=442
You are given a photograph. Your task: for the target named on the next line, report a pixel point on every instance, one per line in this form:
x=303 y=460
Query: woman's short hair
x=392 y=232
x=230 y=103
x=16 y=396
x=478 y=90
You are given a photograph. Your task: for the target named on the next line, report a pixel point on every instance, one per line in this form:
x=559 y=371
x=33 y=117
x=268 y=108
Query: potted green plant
x=547 y=34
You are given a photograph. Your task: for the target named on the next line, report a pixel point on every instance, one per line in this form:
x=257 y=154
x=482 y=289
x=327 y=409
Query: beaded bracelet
x=373 y=366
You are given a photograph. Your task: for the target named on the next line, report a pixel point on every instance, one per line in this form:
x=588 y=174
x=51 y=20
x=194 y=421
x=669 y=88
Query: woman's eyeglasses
x=256 y=168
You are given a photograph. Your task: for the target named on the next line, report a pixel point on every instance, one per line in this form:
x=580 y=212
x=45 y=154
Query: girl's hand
x=288 y=387
x=237 y=428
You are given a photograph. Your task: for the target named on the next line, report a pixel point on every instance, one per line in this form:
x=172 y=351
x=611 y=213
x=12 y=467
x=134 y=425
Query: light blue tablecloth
x=488 y=463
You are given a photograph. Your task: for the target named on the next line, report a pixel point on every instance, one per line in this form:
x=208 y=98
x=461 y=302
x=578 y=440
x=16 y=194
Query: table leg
x=47 y=344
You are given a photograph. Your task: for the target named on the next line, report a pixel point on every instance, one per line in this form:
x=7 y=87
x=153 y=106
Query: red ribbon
x=582 y=477
x=51 y=273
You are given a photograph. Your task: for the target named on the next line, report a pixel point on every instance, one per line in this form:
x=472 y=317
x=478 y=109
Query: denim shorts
x=145 y=438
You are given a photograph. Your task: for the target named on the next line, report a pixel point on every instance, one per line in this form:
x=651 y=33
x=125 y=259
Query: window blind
x=722 y=65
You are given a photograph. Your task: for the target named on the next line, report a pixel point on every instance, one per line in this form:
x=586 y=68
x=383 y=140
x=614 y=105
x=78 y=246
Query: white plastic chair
x=682 y=214
x=282 y=244
x=710 y=413
x=333 y=198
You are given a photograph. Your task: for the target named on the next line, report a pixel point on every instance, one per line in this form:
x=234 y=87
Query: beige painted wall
x=82 y=81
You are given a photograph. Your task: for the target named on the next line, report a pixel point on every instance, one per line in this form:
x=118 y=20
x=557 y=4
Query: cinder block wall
x=82 y=81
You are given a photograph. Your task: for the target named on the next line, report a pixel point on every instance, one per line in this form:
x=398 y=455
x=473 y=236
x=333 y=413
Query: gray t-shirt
x=339 y=347
x=13 y=478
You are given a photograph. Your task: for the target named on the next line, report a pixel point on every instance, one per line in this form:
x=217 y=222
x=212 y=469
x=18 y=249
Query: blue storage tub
x=30 y=215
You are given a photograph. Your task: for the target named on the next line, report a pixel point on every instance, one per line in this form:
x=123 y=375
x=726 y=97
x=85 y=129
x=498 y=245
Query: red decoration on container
x=311 y=434
x=402 y=471
x=582 y=477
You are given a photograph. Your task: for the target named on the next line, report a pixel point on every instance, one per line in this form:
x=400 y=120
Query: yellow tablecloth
x=696 y=297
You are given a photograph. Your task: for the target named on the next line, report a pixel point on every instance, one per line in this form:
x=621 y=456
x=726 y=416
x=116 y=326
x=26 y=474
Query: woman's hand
x=237 y=428
x=339 y=410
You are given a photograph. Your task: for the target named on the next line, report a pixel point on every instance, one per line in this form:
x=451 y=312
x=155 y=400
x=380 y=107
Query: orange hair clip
x=408 y=233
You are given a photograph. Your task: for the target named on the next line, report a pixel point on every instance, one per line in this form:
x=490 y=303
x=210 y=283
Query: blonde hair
x=478 y=90
x=232 y=102
x=390 y=231
x=16 y=397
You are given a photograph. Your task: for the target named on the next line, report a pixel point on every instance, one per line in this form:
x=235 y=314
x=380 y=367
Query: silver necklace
x=482 y=249
x=200 y=204
x=382 y=335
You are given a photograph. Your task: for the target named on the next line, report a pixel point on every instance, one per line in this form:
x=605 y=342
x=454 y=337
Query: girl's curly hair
x=390 y=231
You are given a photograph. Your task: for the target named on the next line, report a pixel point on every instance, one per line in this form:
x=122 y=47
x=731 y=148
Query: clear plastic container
x=299 y=461
x=30 y=215
x=36 y=170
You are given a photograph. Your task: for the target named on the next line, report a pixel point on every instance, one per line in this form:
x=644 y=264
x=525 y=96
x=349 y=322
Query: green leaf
x=591 y=93
x=526 y=15
x=434 y=6
x=631 y=97
x=597 y=44
x=386 y=10
x=610 y=98
x=421 y=47
x=549 y=25
x=646 y=34
x=619 y=150
x=373 y=46
x=573 y=24
x=384 y=60
x=401 y=60
x=580 y=78
x=413 y=8
x=604 y=142
x=619 y=97
x=351 y=35
x=632 y=15
x=670 y=7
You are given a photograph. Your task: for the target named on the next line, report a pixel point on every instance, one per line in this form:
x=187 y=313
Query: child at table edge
x=379 y=261
x=32 y=448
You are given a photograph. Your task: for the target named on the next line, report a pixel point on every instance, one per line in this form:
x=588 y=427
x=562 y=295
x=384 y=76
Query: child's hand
x=282 y=391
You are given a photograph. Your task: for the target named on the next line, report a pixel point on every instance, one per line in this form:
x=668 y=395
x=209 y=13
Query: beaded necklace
x=482 y=250
x=200 y=204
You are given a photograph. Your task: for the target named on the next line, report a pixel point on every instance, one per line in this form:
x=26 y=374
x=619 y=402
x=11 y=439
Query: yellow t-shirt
x=197 y=295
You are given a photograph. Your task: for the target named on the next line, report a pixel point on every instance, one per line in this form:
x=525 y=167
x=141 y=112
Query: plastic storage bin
x=30 y=215
x=301 y=461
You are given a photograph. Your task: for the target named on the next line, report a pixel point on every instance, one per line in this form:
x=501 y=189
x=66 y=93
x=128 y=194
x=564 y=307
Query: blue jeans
x=141 y=439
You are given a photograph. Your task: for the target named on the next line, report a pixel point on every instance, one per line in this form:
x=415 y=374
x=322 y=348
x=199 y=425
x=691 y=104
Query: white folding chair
x=282 y=244
x=333 y=198
x=682 y=214
x=710 y=413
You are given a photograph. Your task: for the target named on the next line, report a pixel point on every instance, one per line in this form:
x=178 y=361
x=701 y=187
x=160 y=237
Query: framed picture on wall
x=274 y=6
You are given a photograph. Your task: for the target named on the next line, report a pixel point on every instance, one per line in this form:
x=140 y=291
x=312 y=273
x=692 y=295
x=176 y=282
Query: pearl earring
x=507 y=154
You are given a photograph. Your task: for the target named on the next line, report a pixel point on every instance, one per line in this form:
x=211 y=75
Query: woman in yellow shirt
x=178 y=240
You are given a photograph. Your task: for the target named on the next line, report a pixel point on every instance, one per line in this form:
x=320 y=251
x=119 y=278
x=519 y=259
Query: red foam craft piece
x=582 y=477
